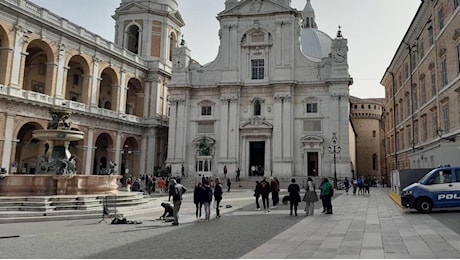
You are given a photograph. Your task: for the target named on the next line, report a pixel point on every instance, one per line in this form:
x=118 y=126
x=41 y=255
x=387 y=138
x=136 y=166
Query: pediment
x=312 y=139
x=251 y=7
x=255 y=124
x=131 y=7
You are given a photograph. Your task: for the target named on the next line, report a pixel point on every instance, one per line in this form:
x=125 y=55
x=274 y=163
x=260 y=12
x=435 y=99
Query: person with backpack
x=264 y=192
x=327 y=192
x=176 y=192
x=346 y=183
x=207 y=198
x=360 y=186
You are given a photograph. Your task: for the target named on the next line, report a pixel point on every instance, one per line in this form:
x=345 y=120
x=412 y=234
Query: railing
x=36 y=97
x=74 y=29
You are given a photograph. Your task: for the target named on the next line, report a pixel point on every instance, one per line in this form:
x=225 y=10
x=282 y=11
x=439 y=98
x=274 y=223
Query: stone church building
x=274 y=100
x=270 y=102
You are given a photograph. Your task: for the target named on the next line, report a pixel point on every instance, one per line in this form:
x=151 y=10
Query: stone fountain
x=56 y=168
x=57 y=159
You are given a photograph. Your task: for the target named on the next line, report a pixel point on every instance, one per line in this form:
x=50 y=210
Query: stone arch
x=38 y=69
x=133 y=37
x=28 y=149
x=134 y=98
x=104 y=143
x=4 y=49
x=108 y=89
x=77 y=82
x=130 y=157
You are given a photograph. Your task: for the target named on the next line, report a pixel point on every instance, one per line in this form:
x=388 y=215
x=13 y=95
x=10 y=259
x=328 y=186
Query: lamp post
x=334 y=149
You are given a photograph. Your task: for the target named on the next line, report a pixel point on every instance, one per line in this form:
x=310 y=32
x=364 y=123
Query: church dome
x=314 y=42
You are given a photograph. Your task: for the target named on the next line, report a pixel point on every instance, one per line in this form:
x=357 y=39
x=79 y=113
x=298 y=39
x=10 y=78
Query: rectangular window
x=424 y=129
x=455 y=4
x=206 y=110
x=441 y=18
x=205 y=128
x=75 y=79
x=413 y=61
x=312 y=107
x=312 y=125
x=433 y=84
x=444 y=73
x=445 y=119
x=415 y=98
x=423 y=91
x=257 y=68
x=421 y=49
x=458 y=58
x=416 y=141
x=406 y=71
x=430 y=35
x=434 y=128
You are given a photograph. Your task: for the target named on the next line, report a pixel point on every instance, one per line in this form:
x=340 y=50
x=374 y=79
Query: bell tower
x=149 y=28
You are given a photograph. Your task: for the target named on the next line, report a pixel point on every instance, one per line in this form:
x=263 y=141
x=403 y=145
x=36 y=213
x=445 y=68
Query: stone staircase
x=65 y=207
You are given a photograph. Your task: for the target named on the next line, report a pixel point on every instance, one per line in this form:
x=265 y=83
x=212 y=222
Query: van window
x=444 y=176
x=457 y=174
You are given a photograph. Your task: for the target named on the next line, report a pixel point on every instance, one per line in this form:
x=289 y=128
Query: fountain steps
x=65 y=207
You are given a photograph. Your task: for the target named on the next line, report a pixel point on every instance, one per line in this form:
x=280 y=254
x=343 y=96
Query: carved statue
x=204 y=147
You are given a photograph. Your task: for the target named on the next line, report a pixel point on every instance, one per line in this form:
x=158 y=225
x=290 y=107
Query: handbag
x=311 y=196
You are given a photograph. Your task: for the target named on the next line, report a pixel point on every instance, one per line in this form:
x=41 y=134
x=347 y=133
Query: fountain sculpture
x=57 y=158
x=56 y=168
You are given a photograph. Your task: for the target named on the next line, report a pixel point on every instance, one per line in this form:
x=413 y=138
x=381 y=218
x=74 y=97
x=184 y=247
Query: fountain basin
x=55 y=134
x=44 y=185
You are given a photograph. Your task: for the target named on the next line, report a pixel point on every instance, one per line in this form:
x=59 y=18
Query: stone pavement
x=361 y=227
x=364 y=227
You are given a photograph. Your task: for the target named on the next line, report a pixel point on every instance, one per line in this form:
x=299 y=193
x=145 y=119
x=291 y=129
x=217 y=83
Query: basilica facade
x=275 y=101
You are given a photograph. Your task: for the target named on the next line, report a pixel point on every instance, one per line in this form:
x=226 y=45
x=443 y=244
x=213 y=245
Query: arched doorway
x=77 y=82
x=28 y=149
x=101 y=155
x=37 y=71
x=134 y=98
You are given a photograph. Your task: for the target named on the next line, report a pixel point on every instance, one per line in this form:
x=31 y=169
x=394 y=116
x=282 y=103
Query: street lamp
x=334 y=149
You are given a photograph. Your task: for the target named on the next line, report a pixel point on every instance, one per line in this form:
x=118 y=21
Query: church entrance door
x=256 y=158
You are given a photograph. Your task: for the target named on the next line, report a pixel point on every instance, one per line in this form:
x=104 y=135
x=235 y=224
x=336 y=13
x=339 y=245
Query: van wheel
x=424 y=205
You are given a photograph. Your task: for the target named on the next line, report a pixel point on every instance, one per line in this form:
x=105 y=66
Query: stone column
x=95 y=83
x=89 y=151
x=60 y=80
x=19 y=57
x=8 y=143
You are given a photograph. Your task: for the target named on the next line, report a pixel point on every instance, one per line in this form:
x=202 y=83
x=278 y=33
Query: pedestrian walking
x=321 y=194
x=198 y=199
x=161 y=184
x=360 y=186
x=218 y=196
x=355 y=185
x=265 y=192
x=207 y=196
x=275 y=189
x=346 y=183
x=257 y=194
x=238 y=176
x=182 y=169
x=327 y=193
x=225 y=171
x=229 y=185
x=310 y=197
x=177 y=191
x=294 y=196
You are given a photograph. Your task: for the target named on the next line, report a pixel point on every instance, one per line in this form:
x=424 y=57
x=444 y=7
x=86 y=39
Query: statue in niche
x=205 y=147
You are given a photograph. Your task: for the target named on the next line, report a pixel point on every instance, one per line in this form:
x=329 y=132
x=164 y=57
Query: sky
x=374 y=29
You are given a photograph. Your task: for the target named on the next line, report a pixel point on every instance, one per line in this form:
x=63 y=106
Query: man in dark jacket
x=264 y=192
x=218 y=196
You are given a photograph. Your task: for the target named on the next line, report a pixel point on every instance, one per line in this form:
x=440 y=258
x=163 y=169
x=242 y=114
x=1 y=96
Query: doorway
x=256 y=158
x=312 y=163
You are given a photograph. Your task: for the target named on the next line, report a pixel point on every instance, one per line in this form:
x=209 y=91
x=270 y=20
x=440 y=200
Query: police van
x=440 y=188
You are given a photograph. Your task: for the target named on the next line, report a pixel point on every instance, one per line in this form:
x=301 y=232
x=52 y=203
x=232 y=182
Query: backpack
x=360 y=181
